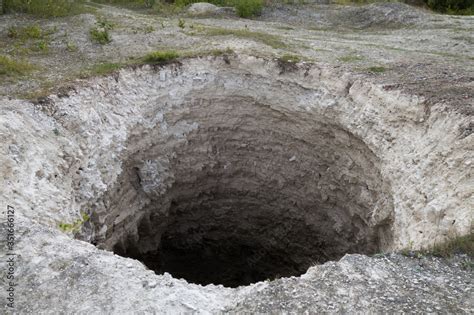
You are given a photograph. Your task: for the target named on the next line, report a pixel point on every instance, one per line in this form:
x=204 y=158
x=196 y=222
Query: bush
x=452 y=6
x=158 y=57
x=249 y=8
x=100 y=35
x=43 y=8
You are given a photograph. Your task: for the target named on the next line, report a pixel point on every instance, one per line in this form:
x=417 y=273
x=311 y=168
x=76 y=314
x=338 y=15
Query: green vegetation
x=376 y=69
x=25 y=33
x=42 y=46
x=159 y=57
x=100 y=33
x=100 y=36
x=457 y=245
x=10 y=67
x=462 y=7
x=248 y=8
x=149 y=29
x=454 y=245
x=44 y=8
x=244 y=8
x=268 y=39
x=30 y=38
x=105 y=68
x=181 y=23
x=76 y=225
x=290 y=58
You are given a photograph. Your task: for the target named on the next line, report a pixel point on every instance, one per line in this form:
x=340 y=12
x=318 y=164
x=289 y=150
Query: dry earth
x=240 y=167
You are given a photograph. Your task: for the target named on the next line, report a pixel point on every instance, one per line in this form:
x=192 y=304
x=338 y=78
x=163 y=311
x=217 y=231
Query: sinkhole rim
x=320 y=167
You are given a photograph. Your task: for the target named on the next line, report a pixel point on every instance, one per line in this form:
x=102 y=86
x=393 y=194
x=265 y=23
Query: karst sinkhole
x=250 y=193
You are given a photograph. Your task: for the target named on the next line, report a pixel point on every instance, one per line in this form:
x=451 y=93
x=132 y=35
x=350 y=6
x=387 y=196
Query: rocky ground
x=389 y=85
x=401 y=46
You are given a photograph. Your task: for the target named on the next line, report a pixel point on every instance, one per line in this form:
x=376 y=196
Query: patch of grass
x=290 y=58
x=452 y=246
x=30 y=38
x=149 y=29
x=42 y=46
x=44 y=8
x=376 y=69
x=248 y=8
x=181 y=23
x=75 y=226
x=457 y=245
x=159 y=57
x=105 y=68
x=268 y=39
x=10 y=67
x=25 y=33
x=104 y=23
x=350 y=58
x=100 y=35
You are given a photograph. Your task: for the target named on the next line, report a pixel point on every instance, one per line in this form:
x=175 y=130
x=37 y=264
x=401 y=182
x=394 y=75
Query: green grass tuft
x=105 y=68
x=159 y=57
x=290 y=58
x=100 y=35
x=44 y=8
x=75 y=226
x=10 y=67
x=377 y=69
x=458 y=245
x=25 y=33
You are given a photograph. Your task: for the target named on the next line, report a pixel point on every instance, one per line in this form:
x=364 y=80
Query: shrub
x=248 y=8
x=158 y=57
x=452 y=6
x=43 y=8
x=100 y=35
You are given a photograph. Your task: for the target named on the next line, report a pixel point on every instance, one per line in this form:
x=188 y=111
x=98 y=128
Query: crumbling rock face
x=227 y=171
